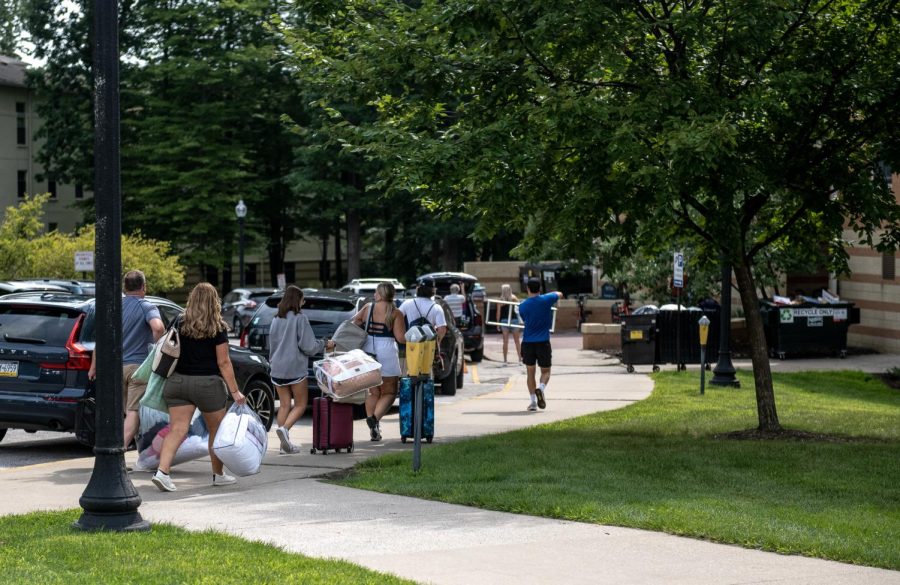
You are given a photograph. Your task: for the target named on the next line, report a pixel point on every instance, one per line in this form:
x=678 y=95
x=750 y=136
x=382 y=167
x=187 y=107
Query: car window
x=49 y=326
x=335 y=305
x=230 y=298
x=168 y=314
x=260 y=297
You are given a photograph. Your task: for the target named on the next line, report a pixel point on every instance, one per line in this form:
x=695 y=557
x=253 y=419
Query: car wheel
x=2 y=434
x=477 y=355
x=448 y=385
x=261 y=400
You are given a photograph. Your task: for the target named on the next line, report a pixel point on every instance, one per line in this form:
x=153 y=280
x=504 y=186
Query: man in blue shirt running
x=537 y=313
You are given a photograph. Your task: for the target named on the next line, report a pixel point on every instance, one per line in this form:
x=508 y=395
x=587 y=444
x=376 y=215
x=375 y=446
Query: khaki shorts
x=208 y=393
x=132 y=390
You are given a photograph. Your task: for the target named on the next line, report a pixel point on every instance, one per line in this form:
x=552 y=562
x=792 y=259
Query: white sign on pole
x=84 y=261
x=282 y=282
x=678 y=279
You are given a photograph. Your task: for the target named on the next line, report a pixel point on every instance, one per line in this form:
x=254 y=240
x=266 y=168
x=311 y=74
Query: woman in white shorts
x=385 y=326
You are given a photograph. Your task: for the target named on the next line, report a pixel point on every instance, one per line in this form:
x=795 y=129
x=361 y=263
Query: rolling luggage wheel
x=656 y=368
x=403 y=439
x=350 y=448
x=630 y=369
x=312 y=451
x=429 y=439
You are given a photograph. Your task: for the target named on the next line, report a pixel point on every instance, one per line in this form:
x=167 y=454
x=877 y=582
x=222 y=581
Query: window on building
x=22 y=183
x=888 y=266
x=290 y=272
x=250 y=274
x=79 y=191
x=21 y=134
x=51 y=188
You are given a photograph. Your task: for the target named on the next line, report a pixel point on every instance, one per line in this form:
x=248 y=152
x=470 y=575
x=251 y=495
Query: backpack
x=420 y=328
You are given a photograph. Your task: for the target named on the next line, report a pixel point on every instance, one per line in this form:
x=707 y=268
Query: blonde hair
x=203 y=313
x=386 y=291
x=506 y=293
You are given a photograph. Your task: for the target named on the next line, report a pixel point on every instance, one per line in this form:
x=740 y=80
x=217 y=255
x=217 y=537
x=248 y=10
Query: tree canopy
x=749 y=124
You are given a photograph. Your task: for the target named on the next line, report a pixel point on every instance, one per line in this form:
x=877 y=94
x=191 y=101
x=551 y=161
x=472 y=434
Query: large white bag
x=241 y=440
x=153 y=430
x=347 y=374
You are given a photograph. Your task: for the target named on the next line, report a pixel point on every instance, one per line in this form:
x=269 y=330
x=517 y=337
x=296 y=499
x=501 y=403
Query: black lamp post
x=724 y=372
x=240 y=210
x=110 y=501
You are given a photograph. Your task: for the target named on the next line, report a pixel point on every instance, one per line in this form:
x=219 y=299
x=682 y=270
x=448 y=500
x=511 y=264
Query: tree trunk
x=450 y=257
x=354 y=244
x=759 y=352
x=338 y=263
x=276 y=254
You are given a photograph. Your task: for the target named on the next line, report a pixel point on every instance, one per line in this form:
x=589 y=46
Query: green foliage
x=25 y=252
x=817 y=497
x=43 y=548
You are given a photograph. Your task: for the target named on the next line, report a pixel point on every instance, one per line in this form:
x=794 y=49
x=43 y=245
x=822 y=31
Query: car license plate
x=636 y=334
x=9 y=369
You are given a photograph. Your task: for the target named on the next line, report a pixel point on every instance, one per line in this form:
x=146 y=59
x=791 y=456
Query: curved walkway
x=432 y=542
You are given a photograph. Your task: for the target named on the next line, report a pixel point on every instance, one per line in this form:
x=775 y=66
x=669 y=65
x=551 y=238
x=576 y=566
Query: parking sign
x=678 y=277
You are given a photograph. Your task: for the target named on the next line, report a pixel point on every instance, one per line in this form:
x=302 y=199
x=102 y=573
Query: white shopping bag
x=241 y=440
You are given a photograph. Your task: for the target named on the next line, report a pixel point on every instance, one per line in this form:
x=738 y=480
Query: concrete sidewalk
x=431 y=542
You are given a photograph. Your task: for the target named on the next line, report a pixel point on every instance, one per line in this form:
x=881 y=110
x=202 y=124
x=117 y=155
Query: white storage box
x=341 y=375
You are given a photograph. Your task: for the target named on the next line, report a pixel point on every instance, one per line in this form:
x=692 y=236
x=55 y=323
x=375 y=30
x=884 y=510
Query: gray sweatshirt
x=291 y=344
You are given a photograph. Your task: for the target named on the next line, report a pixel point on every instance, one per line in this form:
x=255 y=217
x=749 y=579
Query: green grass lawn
x=43 y=548
x=663 y=464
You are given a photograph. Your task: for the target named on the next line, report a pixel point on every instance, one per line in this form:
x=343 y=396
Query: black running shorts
x=536 y=352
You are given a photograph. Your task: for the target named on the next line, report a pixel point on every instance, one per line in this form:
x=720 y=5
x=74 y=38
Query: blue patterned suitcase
x=407 y=406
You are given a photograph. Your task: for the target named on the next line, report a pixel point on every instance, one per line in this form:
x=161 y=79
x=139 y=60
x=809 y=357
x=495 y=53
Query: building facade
x=20 y=173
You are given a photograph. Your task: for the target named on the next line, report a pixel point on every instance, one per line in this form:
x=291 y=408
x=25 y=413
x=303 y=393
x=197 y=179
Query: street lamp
x=109 y=501
x=240 y=210
x=724 y=370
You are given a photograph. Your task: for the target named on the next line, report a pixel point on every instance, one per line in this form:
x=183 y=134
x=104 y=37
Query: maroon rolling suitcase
x=332 y=426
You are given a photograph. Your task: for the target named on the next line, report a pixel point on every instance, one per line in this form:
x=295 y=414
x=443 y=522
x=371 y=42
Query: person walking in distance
x=456 y=301
x=203 y=378
x=141 y=328
x=385 y=327
x=292 y=342
x=503 y=316
x=537 y=313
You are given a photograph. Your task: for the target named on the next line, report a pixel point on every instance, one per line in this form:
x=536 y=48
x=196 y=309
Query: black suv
x=471 y=323
x=45 y=354
x=449 y=363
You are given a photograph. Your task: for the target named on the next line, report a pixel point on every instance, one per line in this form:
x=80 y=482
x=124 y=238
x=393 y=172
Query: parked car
x=365 y=287
x=471 y=323
x=449 y=363
x=80 y=287
x=240 y=304
x=14 y=286
x=45 y=354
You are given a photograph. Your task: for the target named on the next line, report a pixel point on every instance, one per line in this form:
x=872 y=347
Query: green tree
x=26 y=252
x=751 y=124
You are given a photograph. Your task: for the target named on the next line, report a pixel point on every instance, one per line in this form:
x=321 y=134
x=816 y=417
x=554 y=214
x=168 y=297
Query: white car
x=365 y=287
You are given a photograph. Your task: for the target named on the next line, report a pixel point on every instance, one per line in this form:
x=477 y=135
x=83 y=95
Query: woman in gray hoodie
x=291 y=343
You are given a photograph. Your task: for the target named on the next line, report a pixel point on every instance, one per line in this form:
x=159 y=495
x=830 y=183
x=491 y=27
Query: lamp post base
x=724 y=372
x=110 y=501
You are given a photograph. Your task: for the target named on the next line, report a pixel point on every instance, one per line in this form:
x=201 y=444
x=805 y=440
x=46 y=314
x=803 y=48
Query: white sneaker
x=284 y=438
x=292 y=451
x=532 y=407
x=223 y=479
x=163 y=482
